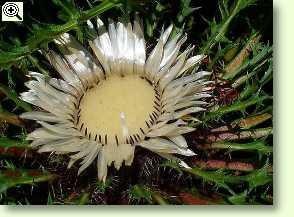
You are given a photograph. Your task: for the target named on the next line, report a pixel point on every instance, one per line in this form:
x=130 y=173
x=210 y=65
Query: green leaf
x=102 y=7
x=260 y=55
x=11 y=94
x=49 y=199
x=259 y=146
x=83 y=199
x=239 y=199
x=14 y=148
x=237 y=106
x=248 y=91
x=219 y=30
x=259 y=177
x=8 y=143
x=268 y=75
x=101 y=186
x=69 y=9
x=12 y=178
x=185 y=10
x=42 y=36
x=225 y=179
x=139 y=193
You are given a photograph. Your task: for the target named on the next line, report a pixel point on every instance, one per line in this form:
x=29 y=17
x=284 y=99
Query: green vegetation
x=236 y=130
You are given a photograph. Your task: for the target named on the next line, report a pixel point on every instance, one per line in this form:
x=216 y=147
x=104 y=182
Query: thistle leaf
x=12 y=178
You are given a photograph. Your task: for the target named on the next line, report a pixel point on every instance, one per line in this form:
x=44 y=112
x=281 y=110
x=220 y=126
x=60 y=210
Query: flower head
x=105 y=106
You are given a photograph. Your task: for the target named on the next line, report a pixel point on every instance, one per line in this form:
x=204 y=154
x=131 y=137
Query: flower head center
x=119 y=109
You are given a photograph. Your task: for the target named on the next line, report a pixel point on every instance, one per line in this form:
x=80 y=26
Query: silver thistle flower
x=104 y=107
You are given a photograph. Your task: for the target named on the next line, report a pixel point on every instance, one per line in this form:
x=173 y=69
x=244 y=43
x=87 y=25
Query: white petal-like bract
x=119 y=49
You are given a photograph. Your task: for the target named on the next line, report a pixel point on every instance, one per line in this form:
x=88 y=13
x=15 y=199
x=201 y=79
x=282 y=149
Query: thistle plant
x=170 y=102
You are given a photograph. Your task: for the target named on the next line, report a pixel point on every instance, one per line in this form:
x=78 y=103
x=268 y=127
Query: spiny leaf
x=138 y=193
x=248 y=90
x=101 y=187
x=259 y=146
x=44 y=35
x=8 y=143
x=223 y=8
x=259 y=177
x=268 y=75
x=219 y=30
x=14 y=148
x=239 y=199
x=12 y=178
x=185 y=10
x=35 y=63
x=69 y=9
x=242 y=4
x=224 y=179
x=242 y=55
x=102 y=7
x=223 y=52
x=259 y=57
x=219 y=177
x=11 y=94
x=254 y=71
x=237 y=106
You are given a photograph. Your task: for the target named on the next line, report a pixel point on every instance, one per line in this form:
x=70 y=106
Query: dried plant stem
x=220 y=164
x=197 y=199
x=244 y=123
x=257 y=145
x=242 y=55
x=248 y=134
x=11 y=118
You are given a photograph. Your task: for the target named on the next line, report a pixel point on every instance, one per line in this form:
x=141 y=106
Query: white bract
x=102 y=107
